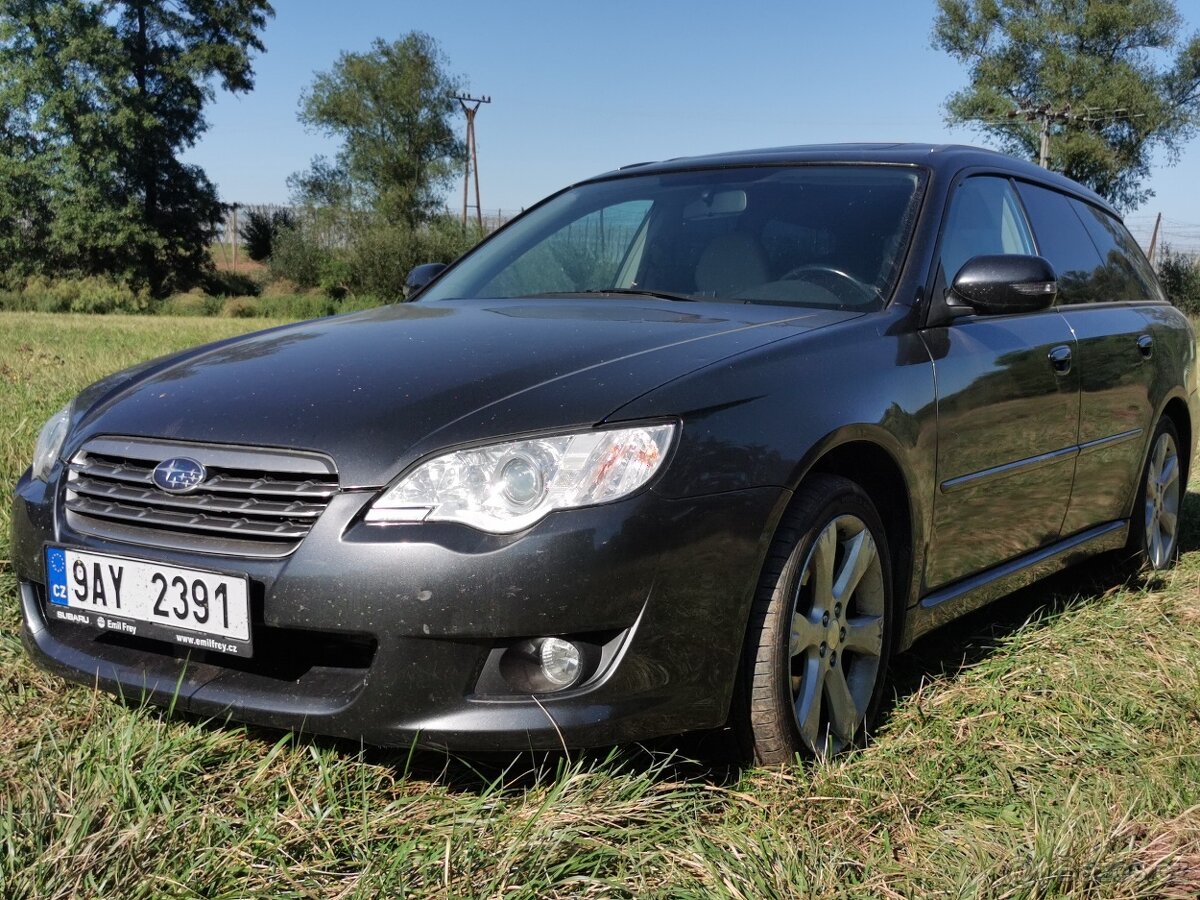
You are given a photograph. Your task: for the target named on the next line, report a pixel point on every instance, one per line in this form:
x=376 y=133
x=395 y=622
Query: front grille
x=253 y=502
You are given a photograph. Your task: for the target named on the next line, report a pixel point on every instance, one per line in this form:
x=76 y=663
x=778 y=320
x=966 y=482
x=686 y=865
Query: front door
x=1007 y=405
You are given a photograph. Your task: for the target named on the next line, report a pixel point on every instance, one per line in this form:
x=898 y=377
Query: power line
x=1046 y=116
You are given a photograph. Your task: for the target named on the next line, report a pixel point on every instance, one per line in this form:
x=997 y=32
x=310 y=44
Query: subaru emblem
x=179 y=475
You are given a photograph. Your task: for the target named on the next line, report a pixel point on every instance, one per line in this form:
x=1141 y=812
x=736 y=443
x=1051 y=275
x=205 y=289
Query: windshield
x=827 y=236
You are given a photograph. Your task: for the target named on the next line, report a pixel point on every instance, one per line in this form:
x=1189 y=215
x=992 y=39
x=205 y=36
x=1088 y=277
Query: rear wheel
x=821 y=627
x=1154 y=527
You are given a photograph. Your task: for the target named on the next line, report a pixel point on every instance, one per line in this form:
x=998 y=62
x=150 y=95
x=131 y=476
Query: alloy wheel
x=836 y=635
x=1162 y=502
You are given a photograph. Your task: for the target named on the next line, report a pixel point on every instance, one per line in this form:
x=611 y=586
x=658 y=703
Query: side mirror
x=999 y=285
x=420 y=276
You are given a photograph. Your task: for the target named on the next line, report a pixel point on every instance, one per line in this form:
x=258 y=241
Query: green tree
x=1122 y=67
x=393 y=110
x=99 y=99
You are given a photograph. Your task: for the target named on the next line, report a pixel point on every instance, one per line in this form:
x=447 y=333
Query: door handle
x=1146 y=345
x=1060 y=359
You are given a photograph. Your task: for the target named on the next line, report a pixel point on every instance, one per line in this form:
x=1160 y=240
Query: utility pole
x=234 y=236
x=470 y=106
x=1154 y=239
x=1046 y=116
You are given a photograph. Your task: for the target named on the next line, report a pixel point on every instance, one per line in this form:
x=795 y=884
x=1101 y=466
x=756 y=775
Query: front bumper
x=388 y=634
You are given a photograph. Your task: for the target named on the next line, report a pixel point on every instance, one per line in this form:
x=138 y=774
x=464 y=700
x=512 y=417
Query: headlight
x=507 y=487
x=50 y=442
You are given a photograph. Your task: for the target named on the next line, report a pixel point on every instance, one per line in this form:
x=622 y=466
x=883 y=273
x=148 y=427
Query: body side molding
x=950 y=602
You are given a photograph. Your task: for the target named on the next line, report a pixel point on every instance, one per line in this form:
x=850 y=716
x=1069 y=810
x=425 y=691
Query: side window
x=1126 y=274
x=1064 y=242
x=985 y=218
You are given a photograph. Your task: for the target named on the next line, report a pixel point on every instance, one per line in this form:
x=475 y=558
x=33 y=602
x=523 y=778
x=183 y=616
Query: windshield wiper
x=644 y=292
x=623 y=292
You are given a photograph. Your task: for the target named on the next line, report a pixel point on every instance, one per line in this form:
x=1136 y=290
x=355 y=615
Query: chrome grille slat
x=253 y=502
x=224 y=484
x=198 y=521
x=209 y=503
x=116 y=473
x=271 y=487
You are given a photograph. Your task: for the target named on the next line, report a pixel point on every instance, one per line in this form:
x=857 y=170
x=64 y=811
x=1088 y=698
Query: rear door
x=1008 y=404
x=1102 y=295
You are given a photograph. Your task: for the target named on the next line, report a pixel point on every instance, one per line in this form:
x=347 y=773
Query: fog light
x=561 y=661
x=545 y=665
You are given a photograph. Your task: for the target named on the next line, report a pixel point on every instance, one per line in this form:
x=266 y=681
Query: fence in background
x=235 y=218
x=1179 y=237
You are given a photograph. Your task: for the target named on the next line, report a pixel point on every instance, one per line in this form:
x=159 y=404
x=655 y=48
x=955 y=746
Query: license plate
x=188 y=607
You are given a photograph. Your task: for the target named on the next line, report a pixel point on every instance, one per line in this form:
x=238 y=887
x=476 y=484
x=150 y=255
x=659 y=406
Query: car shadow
x=711 y=757
x=972 y=638
x=698 y=758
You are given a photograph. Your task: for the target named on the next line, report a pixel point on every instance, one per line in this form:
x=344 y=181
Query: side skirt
x=948 y=603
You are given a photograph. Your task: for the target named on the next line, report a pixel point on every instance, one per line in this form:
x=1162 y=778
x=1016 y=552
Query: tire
x=816 y=656
x=1154 y=525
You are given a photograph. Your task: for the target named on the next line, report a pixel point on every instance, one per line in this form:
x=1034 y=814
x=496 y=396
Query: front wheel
x=1154 y=528
x=820 y=628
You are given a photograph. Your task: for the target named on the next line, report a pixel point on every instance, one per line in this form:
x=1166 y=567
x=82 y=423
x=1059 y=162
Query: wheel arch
x=864 y=458
x=1176 y=409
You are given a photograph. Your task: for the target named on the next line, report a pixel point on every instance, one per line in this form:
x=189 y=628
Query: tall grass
x=1047 y=747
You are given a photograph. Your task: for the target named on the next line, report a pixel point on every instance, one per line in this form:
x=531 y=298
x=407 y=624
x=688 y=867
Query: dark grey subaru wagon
x=693 y=442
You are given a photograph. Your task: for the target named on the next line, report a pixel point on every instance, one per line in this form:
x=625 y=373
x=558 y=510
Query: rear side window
x=1126 y=274
x=985 y=219
x=1064 y=242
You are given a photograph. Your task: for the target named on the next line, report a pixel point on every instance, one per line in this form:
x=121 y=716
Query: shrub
x=347 y=253
x=240 y=308
x=381 y=259
x=445 y=240
x=1179 y=276
x=194 y=303
x=93 y=294
x=182 y=305
x=99 y=295
x=337 y=276
x=384 y=253
x=261 y=229
x=280 y=287
x=299 y=256
x=296 y=306
x=358 y=303
x=219 y=283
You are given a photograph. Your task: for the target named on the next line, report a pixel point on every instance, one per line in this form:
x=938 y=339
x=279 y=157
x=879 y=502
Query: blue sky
x=580 y=88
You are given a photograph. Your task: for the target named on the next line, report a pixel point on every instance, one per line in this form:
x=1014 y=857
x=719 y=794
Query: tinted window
x=831 y=236
x=985 y=219
x=588 y=251
x=1064 y=242
x=1126 y=274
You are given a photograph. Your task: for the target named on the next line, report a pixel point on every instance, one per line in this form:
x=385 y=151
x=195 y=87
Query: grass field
x=1049 y=747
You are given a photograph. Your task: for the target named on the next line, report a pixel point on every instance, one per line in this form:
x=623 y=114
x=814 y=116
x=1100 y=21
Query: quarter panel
x=1172 y=369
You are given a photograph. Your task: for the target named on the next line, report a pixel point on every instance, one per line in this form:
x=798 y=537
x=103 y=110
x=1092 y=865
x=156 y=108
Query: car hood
x=377 y=389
